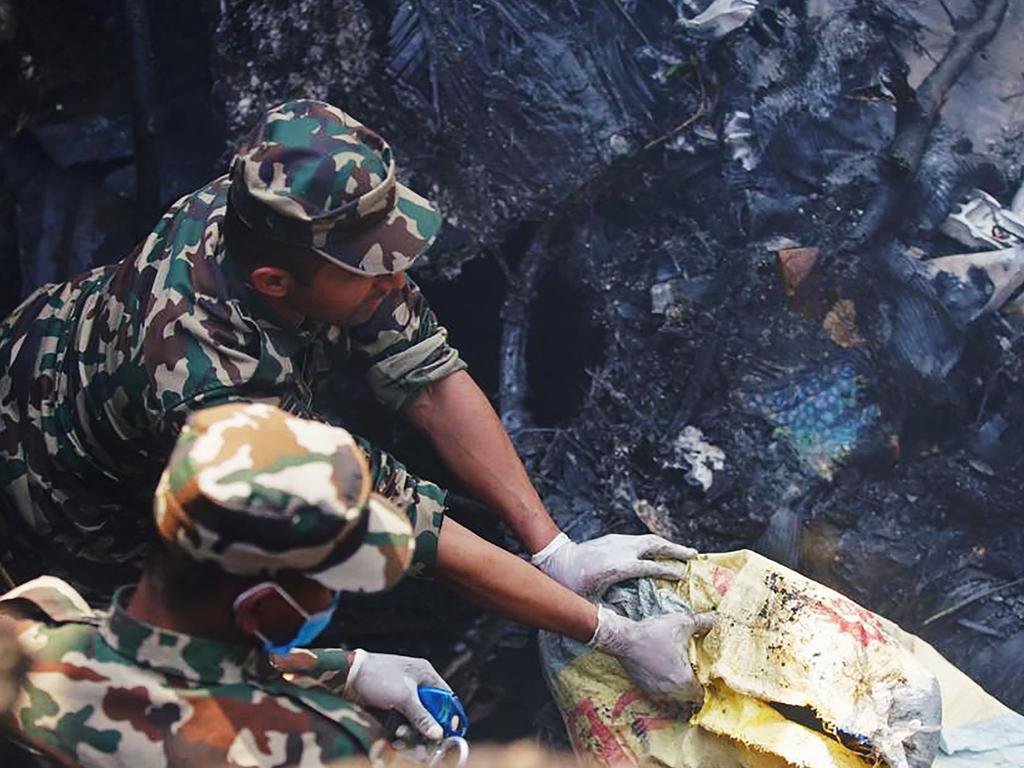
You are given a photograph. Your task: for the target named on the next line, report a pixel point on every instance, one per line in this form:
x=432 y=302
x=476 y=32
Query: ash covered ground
x=694 y=262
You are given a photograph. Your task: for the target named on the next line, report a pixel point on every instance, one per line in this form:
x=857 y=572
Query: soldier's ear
x=273 y=282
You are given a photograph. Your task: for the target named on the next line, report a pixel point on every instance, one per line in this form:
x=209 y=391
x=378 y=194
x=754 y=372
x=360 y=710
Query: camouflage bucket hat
x=314 y=176
x=259 y=491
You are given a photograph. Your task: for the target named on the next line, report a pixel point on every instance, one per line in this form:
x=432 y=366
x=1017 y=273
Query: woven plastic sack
x=795 y=674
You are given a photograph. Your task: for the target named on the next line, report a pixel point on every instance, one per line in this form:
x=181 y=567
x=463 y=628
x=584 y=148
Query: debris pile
x=765 y=258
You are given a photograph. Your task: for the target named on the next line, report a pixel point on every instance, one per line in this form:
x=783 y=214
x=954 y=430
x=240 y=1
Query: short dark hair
x=254 y=251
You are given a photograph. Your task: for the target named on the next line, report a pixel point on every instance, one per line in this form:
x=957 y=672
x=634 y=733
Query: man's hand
x=591 y=567
x=383 y=681
x=655 y=652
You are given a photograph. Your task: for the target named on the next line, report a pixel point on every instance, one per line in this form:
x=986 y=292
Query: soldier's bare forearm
x=470 y=437
x=502 y=583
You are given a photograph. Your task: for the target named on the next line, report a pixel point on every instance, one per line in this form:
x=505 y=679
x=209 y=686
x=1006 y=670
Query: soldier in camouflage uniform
x=253 y=288
x=100 y=372
x=262 y=517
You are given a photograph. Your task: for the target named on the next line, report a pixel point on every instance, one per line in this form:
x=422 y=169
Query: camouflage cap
x=313 y=176
x=259 y=491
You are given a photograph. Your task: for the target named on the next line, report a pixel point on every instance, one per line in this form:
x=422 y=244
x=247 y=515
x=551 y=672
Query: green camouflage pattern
x=13 y=664
x=311 y=667
x=260 y=491
x=97 y=375
x=311 y=175
x=104 y=689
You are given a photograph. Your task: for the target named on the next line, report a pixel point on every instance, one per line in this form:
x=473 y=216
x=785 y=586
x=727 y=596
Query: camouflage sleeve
x=423 y=501
x=314 y=667
x=404 y=347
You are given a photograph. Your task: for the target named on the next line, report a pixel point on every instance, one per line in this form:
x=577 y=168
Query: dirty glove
x=591 y=567
x=383 y=681
x=654 y=652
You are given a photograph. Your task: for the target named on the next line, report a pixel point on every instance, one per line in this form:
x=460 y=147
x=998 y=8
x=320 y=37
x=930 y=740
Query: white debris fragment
x=720 y=18
x=619 y=144
x=659 y=520
x=738 y=135
x=703 y=459
x=980 y=221
x=1004 y=269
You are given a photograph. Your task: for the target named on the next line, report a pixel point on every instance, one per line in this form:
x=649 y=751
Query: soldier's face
x=344 y=298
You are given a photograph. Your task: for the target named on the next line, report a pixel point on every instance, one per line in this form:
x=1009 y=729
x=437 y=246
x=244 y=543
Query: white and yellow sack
x=795 y=675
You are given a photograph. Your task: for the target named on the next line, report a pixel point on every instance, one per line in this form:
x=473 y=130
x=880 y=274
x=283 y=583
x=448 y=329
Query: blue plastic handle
x=446 y=709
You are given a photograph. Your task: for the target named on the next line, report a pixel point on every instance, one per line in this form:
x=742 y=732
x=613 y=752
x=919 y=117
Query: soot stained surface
x=870 y=419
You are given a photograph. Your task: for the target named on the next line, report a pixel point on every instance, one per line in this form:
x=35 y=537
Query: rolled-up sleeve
x=404 y=347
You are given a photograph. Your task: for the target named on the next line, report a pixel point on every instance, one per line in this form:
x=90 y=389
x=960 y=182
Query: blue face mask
x=312 y=625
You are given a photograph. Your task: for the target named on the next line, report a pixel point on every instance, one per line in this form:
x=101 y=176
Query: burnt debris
x=721 y=244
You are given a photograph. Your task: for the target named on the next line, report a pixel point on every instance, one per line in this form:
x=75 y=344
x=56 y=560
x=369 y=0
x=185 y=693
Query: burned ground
x=690 y=269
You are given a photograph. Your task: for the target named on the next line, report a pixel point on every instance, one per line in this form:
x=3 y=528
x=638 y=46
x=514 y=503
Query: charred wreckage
x=746 y=274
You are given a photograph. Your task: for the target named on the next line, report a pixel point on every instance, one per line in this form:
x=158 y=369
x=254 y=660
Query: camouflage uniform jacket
x=97 y=375
x=104 y=689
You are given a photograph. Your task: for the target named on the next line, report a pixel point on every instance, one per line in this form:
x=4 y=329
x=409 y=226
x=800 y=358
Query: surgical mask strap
x=306 y=616
x=242 y=596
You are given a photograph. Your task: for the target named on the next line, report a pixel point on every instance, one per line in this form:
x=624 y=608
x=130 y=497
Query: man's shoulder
x=190 y=226
x=56 y=629
x=208 y=201
x=54 y=598
x=198 y=336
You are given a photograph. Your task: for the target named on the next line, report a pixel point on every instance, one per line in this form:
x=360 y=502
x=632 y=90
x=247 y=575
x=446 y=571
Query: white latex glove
x=654 y=652
x=383 y=681
x=591 y=567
